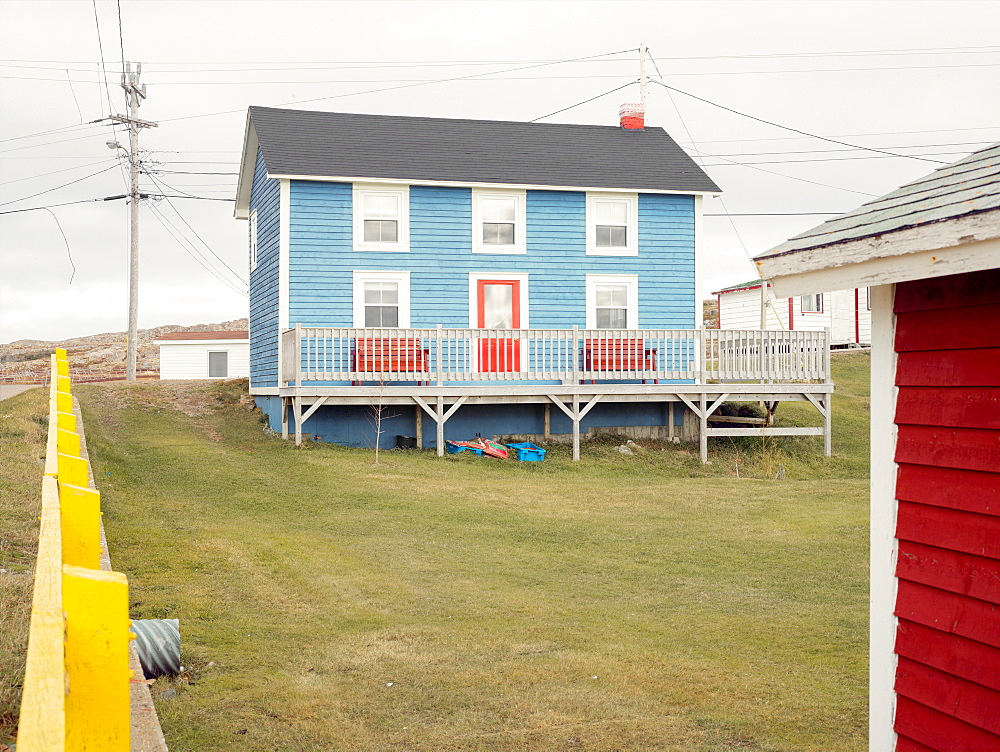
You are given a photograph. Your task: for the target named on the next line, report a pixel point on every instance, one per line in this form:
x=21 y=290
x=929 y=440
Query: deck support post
x=419 y=427
x=297 y=410
x=284 y=417
x=576 y=415
x=670 y=420
x=440 y=426
x=440 y=416
x=547 y=430
x=703 y=433
x=822 y=403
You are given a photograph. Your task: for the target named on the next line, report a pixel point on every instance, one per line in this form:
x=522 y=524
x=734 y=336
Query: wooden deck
x=698 y=368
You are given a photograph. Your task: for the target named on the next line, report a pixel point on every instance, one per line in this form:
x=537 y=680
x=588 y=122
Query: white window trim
x=403 y=278
x=475 y=277
x=631 y=230
x=520 y=221
x=632 y=310
x=253 y=240
x=822 y=303
x=402 y=193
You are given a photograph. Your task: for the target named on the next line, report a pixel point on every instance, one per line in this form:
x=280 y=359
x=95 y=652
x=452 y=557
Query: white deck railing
x=439 y=356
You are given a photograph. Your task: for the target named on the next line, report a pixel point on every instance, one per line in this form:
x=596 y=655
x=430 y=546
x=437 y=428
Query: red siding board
x=955 y=614
x=940 y=731
x=955 y=572
x=977 y=534
x=955 y=407
x=947 y=487
x=904 y=744
x=954 y=654
x=967 y=701
x=957 y=290
x=951 y=368
x=962 y=448
x=949 y=329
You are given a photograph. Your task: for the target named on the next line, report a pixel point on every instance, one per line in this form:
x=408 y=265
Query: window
x=612 y=301
x=381 y=218
x=498 y=221
x=382 y=299
x=218 y=365
x=253 y=240
x=812 y=303
x=612 y=224
x=868 y=298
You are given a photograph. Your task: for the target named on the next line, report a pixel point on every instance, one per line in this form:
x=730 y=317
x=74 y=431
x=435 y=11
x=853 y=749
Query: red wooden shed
x=930 y=252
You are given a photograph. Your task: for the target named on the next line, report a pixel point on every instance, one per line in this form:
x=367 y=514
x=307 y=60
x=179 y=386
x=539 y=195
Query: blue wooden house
x=474 y=272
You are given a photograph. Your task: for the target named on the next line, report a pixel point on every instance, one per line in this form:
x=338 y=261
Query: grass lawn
x=618 y=603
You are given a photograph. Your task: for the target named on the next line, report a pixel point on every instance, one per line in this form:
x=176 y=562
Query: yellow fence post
x=73 y=470
x=64 y=402
x=62 y=362
x=42 y=725
x=80 y=511
x=66 y=421
x=97 y=641
x=67 y=442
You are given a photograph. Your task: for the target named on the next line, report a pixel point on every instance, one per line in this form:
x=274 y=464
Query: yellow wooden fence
x=76 y=679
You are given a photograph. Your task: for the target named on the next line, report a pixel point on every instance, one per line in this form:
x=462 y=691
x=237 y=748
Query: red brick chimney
x=632 y=116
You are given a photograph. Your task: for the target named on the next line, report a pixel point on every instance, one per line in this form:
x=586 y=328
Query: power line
x=100 y=47
x=58 y=187
x=617 y=88
x=54 y=172
x=794 y=130
x=190 y=249
x=66 y=203
x=48 y=132
x=405 y=86
x=161 y=185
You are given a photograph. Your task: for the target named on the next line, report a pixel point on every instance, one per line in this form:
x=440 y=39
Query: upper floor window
x=381 y=218
x=812 y=303
x=612 y=224
x=498 y=221
x=381 y=299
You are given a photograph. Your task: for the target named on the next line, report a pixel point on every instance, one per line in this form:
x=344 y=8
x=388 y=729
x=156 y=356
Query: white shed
x=204 y=355
x=847 y=313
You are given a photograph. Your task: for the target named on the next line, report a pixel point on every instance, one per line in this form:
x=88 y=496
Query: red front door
x=498 y=307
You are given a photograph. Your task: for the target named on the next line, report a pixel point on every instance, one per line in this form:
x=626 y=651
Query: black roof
x=337 y=144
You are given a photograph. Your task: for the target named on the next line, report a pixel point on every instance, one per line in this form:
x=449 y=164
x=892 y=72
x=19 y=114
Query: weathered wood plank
x=969 y=702
x=940 y=731
x=951 y=653
x=970 y=367
x=948 y=612
x=956 y=291
x=943 y=567
x=961 y=448
x=977 y=534
x=974 y=326
x=955 y=407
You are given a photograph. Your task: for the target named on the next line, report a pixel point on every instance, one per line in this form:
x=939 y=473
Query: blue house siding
x=322 y=258
x=265 y=199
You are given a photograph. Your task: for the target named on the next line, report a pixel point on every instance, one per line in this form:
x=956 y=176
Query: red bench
x=378 y=355
x=618 y=355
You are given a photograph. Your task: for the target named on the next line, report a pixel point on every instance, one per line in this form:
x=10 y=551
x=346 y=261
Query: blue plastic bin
x=528 y=452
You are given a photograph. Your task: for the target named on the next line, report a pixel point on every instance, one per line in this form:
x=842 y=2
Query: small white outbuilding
x=204 y=355
x=846 y=313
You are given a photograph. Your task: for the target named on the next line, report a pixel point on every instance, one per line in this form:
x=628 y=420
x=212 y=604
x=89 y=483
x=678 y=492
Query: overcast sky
x=917 y=78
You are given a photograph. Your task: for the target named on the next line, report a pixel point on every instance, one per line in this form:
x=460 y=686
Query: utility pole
x=134 y=93
x=642 y=75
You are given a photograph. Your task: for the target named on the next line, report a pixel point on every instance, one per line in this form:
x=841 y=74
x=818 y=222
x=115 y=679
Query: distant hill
x=95 y=357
